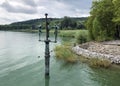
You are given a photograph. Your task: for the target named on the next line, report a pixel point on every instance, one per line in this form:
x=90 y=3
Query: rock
x=98 y=50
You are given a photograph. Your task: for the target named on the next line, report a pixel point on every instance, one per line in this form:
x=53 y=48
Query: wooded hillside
x=63 y=23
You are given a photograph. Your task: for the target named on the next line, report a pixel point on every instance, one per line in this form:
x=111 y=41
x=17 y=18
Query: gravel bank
x=104 y=50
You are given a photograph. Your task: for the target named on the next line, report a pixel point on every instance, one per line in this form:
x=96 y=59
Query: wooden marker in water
x=47 y=41
x=47 y=52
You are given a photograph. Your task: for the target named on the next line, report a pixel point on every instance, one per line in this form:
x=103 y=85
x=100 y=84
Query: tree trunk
x=117 y=34
x=119 y=31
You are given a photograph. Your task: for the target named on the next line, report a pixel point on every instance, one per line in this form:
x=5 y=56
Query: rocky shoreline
x=99 y=50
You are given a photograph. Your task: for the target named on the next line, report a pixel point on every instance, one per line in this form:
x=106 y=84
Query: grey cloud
x=18 y=9
x=30 y=3
x=37 y=8
x=4 y=20
x=82 y=6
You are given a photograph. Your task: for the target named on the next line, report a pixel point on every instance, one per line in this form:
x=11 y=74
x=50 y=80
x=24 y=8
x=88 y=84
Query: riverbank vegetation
x=104 y=20
x=96 y=62
x=80 y=36
x=64 y=53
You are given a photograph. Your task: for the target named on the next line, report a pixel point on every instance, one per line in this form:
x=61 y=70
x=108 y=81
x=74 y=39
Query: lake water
x=20 y=65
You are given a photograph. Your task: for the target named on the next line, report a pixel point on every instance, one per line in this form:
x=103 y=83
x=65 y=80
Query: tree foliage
x=67 y=22
x=117 y=11
x=102 y=22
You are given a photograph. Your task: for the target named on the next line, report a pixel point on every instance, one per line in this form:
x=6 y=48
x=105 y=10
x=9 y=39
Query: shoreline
x=92 y=54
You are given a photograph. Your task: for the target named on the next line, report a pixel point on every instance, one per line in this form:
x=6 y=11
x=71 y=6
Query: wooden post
x=47 y=41
x=47 y=53
x=47 y=80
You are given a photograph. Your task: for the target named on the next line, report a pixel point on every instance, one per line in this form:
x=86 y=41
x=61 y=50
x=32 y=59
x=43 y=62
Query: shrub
x=82 y=37
x=65 y=53
x=96 y=62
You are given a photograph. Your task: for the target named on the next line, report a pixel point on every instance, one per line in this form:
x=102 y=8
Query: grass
x=70 y=33
x=24 y=30
x=64 y=52
x=96 y=62
x=81 y=36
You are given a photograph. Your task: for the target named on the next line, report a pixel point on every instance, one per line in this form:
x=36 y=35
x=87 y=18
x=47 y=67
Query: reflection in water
x=47 y=80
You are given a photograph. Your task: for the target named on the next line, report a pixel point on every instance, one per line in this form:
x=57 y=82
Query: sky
x=21 y=10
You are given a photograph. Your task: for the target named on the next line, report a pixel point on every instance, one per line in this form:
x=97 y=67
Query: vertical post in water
x=47 y=53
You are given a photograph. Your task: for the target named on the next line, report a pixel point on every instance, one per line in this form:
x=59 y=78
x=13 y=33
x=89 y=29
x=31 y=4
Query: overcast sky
x=19 y=10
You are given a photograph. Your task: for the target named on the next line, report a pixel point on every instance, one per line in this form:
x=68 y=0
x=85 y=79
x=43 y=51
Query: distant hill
x=41 y=20
x=31 y=24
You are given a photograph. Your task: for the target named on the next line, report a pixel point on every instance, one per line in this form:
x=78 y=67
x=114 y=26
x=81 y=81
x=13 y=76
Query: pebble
x=102 y=52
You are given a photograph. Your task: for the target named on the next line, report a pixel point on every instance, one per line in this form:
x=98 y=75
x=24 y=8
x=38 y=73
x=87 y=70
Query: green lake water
x=20 y=65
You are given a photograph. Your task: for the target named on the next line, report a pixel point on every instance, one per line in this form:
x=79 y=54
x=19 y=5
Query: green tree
x=116 y=18
x=68 y=23
x=89 y=26
x=117 y=11
x=100 y=22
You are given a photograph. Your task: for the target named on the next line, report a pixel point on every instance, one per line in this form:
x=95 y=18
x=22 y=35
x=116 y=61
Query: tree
x=89 y=26
x=68 y=23
x=117 y=11
x=100 y=22
x=116 y=18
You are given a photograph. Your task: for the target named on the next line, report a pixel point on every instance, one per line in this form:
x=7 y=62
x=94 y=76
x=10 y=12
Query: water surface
x=20 y=65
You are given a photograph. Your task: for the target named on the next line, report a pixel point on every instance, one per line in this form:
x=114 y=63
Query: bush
x=82 y=37
x=65 y=53
x=96 y=62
